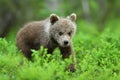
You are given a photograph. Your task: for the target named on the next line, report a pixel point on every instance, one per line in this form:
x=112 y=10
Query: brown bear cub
x=52 y=32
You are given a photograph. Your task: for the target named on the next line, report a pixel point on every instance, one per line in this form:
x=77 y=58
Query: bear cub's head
x=62 y=29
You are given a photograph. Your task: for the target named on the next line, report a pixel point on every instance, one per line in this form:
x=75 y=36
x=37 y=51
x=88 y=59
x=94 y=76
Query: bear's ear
x=72 y=17
x=53 y=18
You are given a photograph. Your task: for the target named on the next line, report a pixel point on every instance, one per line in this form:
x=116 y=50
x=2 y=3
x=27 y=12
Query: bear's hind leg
x=25 y=48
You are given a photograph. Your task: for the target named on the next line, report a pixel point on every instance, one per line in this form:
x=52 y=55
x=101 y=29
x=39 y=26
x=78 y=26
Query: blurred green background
x=96 y=42
x=15 y=13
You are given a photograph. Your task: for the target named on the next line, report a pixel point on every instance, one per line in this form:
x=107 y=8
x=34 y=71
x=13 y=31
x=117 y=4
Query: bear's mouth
x=64 y=45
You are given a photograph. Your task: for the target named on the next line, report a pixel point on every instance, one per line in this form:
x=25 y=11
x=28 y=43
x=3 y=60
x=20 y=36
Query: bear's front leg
x=66 y=52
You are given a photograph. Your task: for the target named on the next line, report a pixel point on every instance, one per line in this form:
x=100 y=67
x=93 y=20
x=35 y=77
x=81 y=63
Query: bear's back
x=30 y=31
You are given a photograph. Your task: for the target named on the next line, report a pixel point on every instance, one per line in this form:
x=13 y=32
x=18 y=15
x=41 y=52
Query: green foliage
x=97 y=55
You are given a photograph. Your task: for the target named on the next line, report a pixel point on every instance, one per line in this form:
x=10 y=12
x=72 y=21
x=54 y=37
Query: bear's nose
x=65 y=42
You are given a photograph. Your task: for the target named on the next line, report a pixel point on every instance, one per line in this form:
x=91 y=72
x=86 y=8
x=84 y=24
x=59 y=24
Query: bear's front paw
x=72 y=68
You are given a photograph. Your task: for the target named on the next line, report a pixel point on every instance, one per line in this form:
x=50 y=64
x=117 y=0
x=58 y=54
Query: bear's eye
x=69 y=33
x=60 y=33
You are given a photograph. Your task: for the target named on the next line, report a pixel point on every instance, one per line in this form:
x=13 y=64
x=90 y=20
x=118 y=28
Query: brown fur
x=35 y=34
